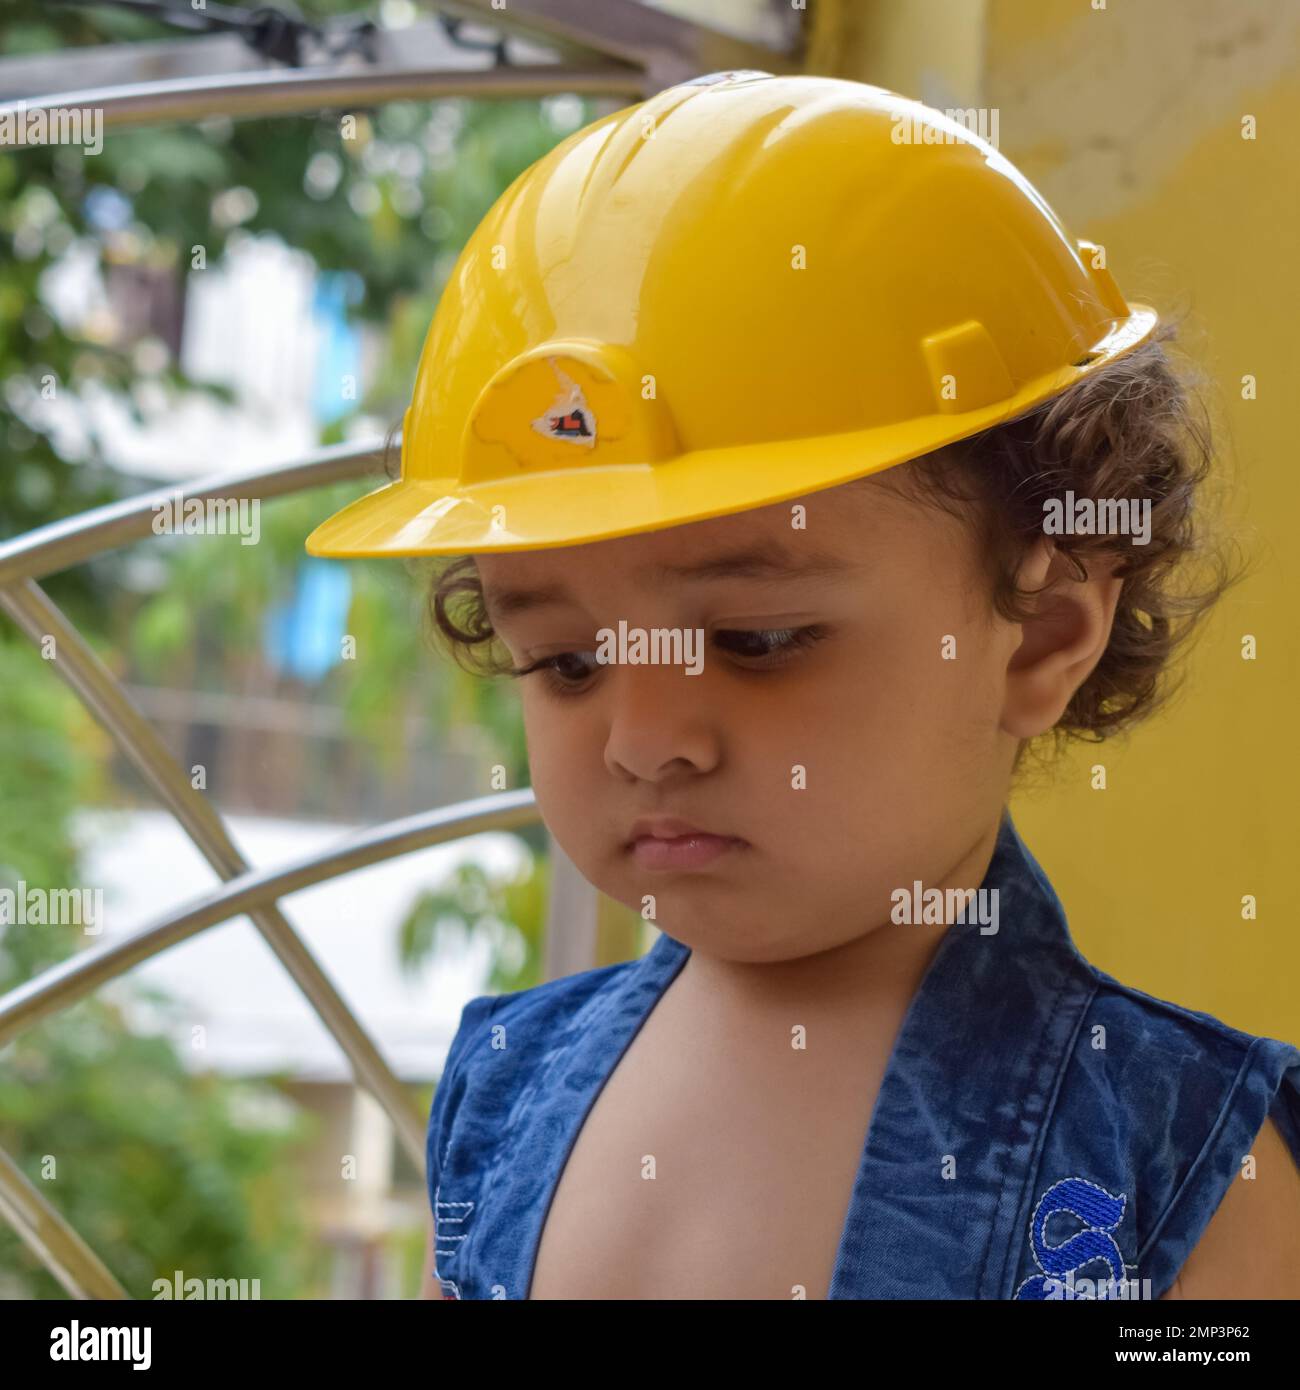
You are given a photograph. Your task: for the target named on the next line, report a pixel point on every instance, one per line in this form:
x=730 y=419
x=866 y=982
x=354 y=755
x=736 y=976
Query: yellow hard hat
x=744 y=289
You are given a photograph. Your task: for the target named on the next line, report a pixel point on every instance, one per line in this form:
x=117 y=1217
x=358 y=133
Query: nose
x=660 y=724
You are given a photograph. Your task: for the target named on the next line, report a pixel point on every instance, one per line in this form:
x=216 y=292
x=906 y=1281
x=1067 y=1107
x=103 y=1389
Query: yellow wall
x=1128 y=120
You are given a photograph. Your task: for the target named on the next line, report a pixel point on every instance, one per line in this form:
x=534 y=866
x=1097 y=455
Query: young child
x=750 y=416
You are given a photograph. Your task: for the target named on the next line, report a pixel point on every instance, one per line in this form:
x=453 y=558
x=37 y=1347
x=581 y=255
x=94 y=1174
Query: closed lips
x=670 y=828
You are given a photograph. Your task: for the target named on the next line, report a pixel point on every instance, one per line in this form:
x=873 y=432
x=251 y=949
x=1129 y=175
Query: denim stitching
x=589 y=1015
x=1051 y=1098
x=1203 y=1157
x=449 y=1122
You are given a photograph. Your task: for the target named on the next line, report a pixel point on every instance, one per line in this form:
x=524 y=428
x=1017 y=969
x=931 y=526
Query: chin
x=741 y=942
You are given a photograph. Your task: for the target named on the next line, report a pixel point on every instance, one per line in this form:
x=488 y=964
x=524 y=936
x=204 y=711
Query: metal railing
x=616 y=48
x=245 y=890
x=575 y=914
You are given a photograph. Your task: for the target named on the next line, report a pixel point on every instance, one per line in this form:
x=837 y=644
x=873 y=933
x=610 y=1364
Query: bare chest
x=712 y=1170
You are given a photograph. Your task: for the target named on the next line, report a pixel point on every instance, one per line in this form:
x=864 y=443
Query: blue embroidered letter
x=1101 y=1212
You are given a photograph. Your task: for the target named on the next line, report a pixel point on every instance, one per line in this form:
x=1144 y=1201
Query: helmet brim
x=542 y=510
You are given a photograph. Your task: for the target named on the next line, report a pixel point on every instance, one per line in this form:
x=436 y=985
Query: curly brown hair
x=1135 y=429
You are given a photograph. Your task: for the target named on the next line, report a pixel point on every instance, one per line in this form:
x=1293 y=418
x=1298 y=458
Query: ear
x=1062 y=640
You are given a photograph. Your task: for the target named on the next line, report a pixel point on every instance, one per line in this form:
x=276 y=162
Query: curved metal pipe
x=278 y=93
x=69 y=541
x=53 y=1241
x=64 y=984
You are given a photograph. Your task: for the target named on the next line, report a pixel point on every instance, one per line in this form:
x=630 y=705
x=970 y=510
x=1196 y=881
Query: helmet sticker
x=569 y=417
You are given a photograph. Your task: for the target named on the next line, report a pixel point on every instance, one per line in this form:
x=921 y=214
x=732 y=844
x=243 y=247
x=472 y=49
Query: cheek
x=564 y=757
x=913 y=704
x=544 y=732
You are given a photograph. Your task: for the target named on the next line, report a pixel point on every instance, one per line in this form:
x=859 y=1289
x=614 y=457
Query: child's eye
x=765 y=643
x=768 y=647
x=564 y=671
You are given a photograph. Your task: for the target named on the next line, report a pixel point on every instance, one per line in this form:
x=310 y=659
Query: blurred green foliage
x=510 y=912
x=157 y=1170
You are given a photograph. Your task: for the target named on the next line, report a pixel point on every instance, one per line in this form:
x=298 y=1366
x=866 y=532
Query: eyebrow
x=767 y=564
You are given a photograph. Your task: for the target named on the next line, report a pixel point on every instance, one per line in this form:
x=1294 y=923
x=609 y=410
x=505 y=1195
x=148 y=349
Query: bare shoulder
x=1251 y=1247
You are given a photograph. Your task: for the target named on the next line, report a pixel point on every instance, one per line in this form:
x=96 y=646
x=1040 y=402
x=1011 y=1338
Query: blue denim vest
x=1090 y=1130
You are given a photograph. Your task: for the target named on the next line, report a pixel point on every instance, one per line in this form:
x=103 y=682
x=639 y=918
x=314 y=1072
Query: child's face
x=851 y=766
